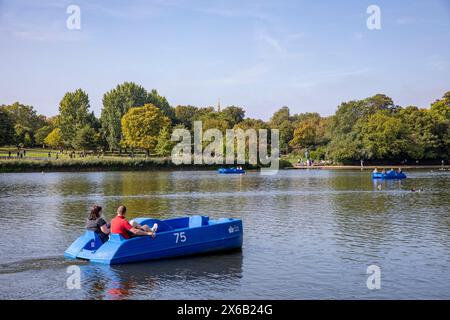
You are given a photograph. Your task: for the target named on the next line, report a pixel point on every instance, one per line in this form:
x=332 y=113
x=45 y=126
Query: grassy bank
x=103 y=164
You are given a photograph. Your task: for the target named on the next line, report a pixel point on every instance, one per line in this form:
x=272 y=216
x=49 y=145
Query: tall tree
x=116 y=103
x=74 y=115
x=281 y=120
x=422 y=141
x=119 y=100
x=440 y=111
x=154 y=98
x=6 y=128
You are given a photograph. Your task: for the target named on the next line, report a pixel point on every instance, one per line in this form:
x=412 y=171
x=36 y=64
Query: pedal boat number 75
x=175 y=237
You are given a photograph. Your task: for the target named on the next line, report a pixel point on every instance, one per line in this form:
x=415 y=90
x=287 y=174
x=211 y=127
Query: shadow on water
x=140 y=279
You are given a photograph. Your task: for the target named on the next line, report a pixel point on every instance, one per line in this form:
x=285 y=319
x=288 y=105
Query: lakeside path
x=356 y=167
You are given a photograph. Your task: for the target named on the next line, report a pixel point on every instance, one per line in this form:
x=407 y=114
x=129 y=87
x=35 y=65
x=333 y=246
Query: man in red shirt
x=120 y=225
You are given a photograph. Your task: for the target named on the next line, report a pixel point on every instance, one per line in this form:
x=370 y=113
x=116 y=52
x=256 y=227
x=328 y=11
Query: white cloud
x=406 y=20
x=436 y=62
x=272 y=42
x=242 y=76
x=329 y=76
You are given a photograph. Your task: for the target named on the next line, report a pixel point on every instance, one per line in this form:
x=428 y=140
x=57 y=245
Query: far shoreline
x=371 y=167
x=165 y=165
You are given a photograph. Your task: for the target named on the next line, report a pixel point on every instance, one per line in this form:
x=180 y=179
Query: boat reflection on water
x=381 y=184
x=144 y=280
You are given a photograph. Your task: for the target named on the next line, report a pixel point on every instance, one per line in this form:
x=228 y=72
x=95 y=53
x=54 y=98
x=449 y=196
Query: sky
x=260 y=55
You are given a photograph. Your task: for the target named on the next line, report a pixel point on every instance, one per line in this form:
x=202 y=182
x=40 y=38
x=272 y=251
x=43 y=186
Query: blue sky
x=261 y=55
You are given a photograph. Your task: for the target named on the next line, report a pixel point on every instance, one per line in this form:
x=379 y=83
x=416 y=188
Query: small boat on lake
x=231 y=171
x=388 y=175
x=175 y=237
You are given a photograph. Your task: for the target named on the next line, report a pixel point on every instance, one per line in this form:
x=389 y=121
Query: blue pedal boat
x=388 y=175
x=175 y=237
x=230 y=170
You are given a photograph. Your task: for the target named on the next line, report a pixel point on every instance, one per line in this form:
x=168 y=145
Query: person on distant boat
x=375 y=170
x=120 y=225
x=96 y=223
x=399 y=170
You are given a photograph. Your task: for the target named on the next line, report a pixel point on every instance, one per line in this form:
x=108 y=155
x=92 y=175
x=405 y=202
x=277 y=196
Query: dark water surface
x=307 y=234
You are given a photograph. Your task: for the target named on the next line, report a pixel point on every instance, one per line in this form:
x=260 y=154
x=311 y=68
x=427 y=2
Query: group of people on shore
x=20 y=153
x=119 y=225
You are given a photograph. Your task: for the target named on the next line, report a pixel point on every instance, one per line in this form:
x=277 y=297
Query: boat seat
x=198 y=221
x=94 y=243
x=162 y=226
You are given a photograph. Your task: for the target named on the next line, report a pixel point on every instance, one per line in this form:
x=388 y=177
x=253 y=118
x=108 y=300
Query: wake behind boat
x=176 y=237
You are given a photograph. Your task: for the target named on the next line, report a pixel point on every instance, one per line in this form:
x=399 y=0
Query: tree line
x=133 y=118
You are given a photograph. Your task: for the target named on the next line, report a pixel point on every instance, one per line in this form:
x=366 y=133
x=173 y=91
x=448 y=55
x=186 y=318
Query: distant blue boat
x=388 y=175
x=175 y=237
x=230 y=170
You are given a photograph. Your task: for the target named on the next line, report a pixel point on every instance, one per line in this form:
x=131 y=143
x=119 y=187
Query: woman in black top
x=96 y=223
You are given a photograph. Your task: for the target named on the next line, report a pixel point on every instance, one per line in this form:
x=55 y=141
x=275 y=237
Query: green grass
x=43 y=153
x=83 y=164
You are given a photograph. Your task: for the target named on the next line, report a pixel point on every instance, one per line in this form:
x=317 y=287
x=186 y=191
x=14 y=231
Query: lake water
x=307 y=234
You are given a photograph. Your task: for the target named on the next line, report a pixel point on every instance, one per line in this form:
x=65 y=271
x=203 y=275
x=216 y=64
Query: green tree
x=379 y=102
x=422 y=142
x=281 y=120
x=41 y=134
x=164 y=145
x=86 y=138
x=344 y=130
x=250 y=123
x=233 y=115
x=25 y=116
x=383 y=136
x=118 y=101
x=440 y=111
x=186 y=115
x=161 y=102
x=25 y=122
x=142 y=126
x=74 y=115
x=309 y=131
x=54 y=139
x=6 y=128
x=23 y=136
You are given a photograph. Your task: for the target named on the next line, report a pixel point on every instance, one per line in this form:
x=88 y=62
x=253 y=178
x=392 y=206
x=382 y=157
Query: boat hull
x=230 y=171
x=389 y=175
x=175 y=238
